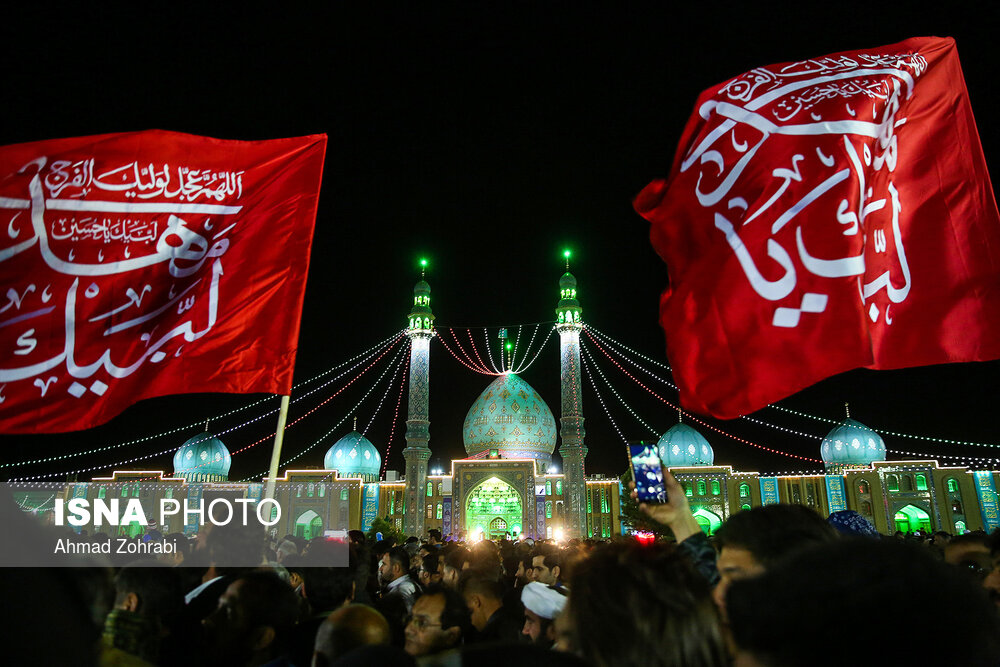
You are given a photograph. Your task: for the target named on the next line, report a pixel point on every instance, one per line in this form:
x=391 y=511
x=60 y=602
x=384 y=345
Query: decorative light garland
x=489 y=352
x=608 y=340
x=148 y=438
x=475 y=351
x=525 y=367
x=336 y=426
x=174 y=448
x=469 y=365
x=696 y=419
x=395 y=418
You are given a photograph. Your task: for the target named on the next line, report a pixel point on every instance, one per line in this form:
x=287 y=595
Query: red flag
x=826 y=215
x=149 y=263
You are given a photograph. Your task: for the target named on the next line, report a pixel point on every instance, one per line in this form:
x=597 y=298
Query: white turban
x=542 y=600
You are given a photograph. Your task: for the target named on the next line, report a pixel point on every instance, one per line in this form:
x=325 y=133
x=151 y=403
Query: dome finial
x=423 y=266
x=680 y=416
x=355 y=423
x=566 y=254
x=206 y=425
x=847 y=409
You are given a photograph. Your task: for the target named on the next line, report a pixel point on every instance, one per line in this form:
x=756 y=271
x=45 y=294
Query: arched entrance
x=494 y=509
x=709 y=521
x=911 y=518
x=308 y=525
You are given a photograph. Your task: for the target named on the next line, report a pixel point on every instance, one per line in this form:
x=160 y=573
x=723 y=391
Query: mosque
x=506 y=485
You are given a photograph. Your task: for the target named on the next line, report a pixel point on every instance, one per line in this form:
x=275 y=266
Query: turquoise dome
x=681 y=445
x=852 y=444
x=511 y=417
x=354 y=456
x=203 y=458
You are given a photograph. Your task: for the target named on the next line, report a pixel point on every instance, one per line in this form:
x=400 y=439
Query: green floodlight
x=566 y=255
x=509 y=346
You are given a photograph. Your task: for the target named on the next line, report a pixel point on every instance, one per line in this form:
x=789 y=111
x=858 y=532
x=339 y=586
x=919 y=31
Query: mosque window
x=796 y=494
x=548 y=487
x=745 y=506
x=590 y=502
x=960 y=527
x=344 y=494
x=343 y=516
x=907 y=483
x=124 y=491
x=430 y=489
x=559 y=509
x=558 y=487
x=715 y=487
x=572 y=294
x=440 y=510
x=548 y=509
x=701 y=487
x=687 y=490
x=322 y=490
x=392 y=503
x=440 y=488
x=892 y=482
x=744 y=490
x=866 y=508
x=810 y=494
x=101 y=492
x=311 y=490
x=952 y=485
x=298 y=491
x=430 y=511
x=562 y=317
x=921 y=482
x=864 y=488
x=169 y=493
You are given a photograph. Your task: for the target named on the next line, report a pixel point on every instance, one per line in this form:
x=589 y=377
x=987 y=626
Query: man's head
x=751 y=541
x=154 y=592
x=395 y=564
x=433 y=536
x=456 y=561
x=253 y=620
x=546 y=563
x=671 y=618
x=790 y=610
x=483 y=593
x=346 y=629
x=971 y=552
x=437 y=622
x=542 y=605
x=992 y=581
x=430 y=570
x=525 y=574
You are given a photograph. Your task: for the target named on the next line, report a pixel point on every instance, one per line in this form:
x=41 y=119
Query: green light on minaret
x=423 y=266
x=567 y=254
x=510 y=347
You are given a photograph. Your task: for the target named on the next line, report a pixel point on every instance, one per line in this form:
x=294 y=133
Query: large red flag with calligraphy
x=826 y=215
x=149 y=263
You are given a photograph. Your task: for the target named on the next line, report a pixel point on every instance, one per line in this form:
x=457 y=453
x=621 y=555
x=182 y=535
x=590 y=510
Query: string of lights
x=96 y=450
x=174 y=448
x=604 y=406
x=696 y=419
x=398 y=364
x=336 y=426
x=489 y=353
x=395 y=419
x=469 y=365
x=475 y=351
x=513 y=353
x=621 y=400
x=524 y=367
x=948 y=441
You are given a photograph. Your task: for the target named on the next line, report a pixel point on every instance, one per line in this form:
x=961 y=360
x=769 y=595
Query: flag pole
x=279 y=435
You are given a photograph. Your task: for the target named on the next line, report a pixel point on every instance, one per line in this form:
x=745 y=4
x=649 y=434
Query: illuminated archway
x=911 y=518
x=308 y=525
x=494 y=509
x=709 y=521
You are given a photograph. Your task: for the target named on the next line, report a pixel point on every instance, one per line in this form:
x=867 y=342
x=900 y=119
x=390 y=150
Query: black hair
x=802 y=602
x=401 y=557
x=481 y=581
x=669 y=617
x=773 y=531
x=455 y=612
x=269 y=601
x=158 y=590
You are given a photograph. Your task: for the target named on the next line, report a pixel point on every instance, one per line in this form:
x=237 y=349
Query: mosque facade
x=506 y=487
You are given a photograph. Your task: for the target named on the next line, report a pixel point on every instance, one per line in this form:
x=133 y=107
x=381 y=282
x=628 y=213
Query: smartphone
x=647 y=471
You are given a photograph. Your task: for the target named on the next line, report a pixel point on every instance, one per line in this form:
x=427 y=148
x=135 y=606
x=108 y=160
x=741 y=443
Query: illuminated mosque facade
x=506 y=485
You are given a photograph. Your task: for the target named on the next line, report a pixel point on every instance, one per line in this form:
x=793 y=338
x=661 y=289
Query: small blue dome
x=202 y=458
x=681 y=445
x=354 y=455
x=852 y=444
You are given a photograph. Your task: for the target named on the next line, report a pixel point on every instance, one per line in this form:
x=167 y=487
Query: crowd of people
x=776 y=586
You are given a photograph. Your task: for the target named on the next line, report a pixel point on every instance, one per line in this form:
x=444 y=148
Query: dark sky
x=487 y=140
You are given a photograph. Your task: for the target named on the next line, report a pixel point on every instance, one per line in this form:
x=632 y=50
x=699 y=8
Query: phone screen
x=648 y=474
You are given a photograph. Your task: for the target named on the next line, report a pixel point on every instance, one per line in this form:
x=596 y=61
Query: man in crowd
x=253 y=622
x=970 y=552
x=455 y=561
x=430 y=570
x=346 y=629
x=542 y=605
x=148 y=601
x=438 y=623
x=546 y=565
x=483 y=593
x=394 y=573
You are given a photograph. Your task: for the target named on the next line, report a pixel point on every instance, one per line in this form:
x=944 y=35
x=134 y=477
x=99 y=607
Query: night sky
x=486 y=140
